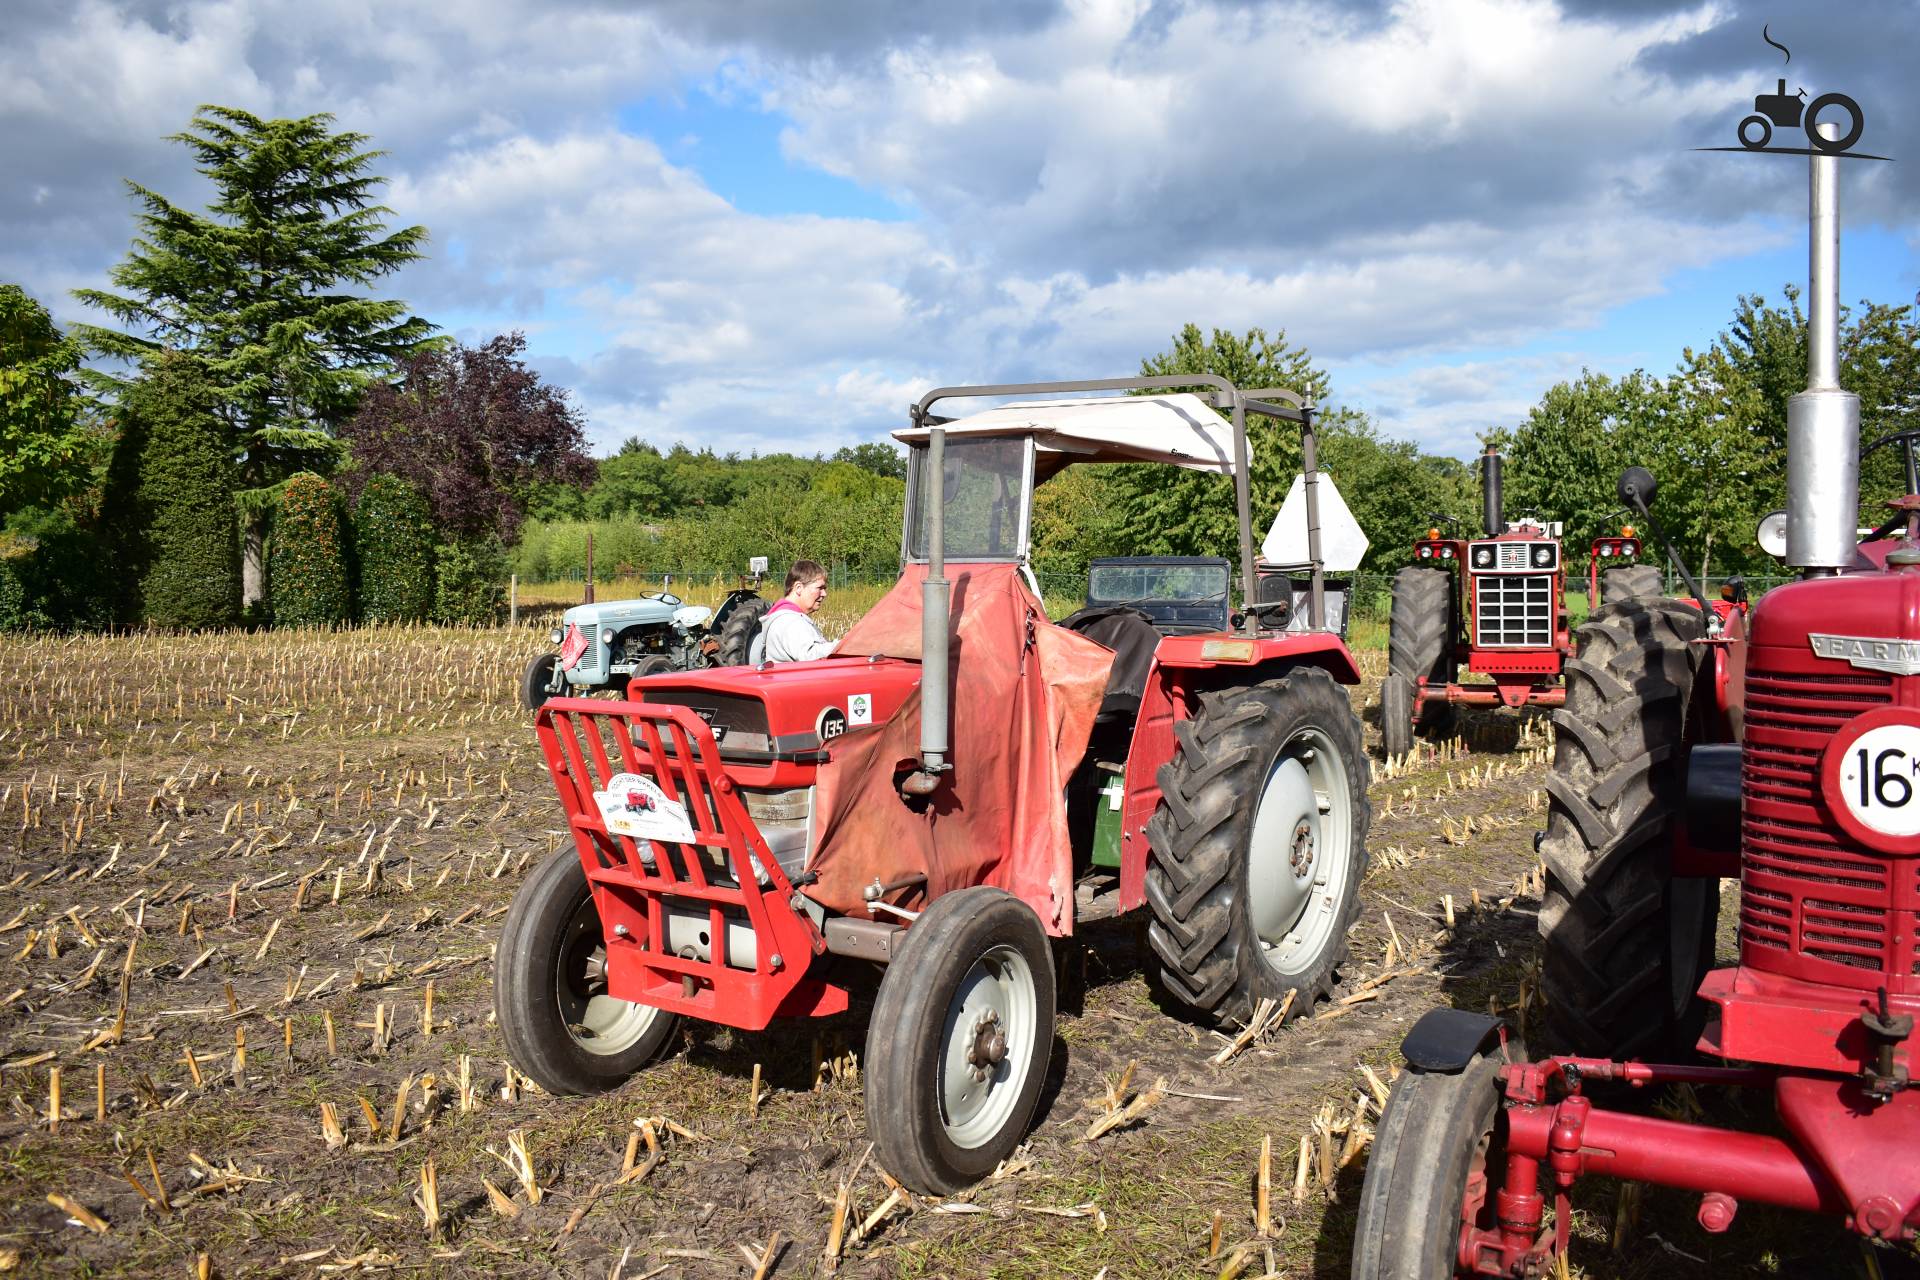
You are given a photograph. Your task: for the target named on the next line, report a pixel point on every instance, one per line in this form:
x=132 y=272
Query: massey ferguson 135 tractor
x=1502 y=617
x=1782 y=745
x=753 y=843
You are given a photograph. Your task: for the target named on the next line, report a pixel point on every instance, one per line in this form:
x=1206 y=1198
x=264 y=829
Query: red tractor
x=1492 y=603
x=1615 y=571
x=752 y=843
x=1780 y=744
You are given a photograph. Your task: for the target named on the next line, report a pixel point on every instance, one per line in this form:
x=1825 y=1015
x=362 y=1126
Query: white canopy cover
x=1181 y=430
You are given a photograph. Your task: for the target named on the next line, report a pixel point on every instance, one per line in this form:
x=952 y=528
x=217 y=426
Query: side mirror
x=1637 y=488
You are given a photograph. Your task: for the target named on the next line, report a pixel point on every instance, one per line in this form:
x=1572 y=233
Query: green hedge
x=307 y=563
x=470 y=583
x=393 y=542
x=170 y=496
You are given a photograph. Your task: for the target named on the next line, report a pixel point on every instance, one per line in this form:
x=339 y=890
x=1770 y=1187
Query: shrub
x=307 y=562
x=55 y=574
x=393 y=539
x=170 y=494
x=470 y=582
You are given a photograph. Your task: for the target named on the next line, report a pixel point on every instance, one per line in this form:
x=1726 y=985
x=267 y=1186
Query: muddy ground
x=237 y=872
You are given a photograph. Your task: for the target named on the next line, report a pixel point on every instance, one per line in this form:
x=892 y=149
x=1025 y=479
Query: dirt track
x=256 y=836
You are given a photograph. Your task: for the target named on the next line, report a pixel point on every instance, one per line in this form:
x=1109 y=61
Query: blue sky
x=770 y=224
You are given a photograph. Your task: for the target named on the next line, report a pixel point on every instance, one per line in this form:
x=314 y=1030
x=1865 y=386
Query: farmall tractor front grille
x=1513 y=610
x=1814 y=902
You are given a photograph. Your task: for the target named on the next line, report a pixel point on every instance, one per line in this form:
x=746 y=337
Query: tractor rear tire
x=1627 y=942
x=1436 y=1133
x=536 y=682
x=1420 y=638
x=1631 y=582
x=563 y=1031
x=1258 y=847
x=960 y=1039
x=736 y=636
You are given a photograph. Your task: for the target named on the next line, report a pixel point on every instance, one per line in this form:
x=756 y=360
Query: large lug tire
x=550 y=994
x=536 y=682
x=1630 y=582
x=1437 y=1144
x=736 y=636
x=961 y=1035
x=1627 y=942
x=1396 y=715
x=1258 y=846
x=1420 y=638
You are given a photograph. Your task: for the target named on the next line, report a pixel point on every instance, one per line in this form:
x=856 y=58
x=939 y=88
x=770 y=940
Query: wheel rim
x=1301 y=848
x=598 y=1023
x=987 y=1047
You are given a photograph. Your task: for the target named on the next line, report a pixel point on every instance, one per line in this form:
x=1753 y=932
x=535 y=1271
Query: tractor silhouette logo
x=1783 y=110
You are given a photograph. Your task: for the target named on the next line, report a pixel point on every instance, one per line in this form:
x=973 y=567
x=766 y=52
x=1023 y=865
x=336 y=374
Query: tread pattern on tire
x=736 y=637
x=1409 y=1215
x=1198 y=840
x=1420 y=636
x=1614 y=795
x=1631 y=582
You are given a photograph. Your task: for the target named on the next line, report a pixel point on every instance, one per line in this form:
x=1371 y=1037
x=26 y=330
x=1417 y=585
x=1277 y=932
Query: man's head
x=807 y=585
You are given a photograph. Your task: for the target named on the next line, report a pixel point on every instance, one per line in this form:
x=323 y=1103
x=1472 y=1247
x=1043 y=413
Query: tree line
x=260 y=440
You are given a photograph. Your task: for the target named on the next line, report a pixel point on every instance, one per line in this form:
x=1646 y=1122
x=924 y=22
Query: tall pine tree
x=261 y=289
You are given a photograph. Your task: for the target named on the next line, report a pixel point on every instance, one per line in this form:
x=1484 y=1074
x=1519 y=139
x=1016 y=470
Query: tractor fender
x=1229 y=652
x=1182 y=668
x=1448 y=1040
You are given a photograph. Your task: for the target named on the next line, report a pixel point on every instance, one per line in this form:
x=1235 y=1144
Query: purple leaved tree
x=475 y=431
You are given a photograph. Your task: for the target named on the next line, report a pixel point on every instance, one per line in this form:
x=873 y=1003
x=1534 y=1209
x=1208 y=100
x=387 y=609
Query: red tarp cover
x=1024 y=697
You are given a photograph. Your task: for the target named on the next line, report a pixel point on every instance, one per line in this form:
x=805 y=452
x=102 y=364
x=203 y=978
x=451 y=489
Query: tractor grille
x=1513 y=611
x=1810 y=892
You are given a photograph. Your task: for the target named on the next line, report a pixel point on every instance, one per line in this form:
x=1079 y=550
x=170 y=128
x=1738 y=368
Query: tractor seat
x=1132 y=637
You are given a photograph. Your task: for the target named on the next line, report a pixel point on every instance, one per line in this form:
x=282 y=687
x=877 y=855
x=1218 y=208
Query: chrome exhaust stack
x=1823 y=422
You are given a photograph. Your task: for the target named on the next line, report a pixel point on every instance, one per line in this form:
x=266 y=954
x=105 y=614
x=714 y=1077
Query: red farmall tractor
x=757 y=843
x=1781 y=744
x=1492 y=604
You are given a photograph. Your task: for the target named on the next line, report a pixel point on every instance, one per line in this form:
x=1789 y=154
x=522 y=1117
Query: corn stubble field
x=249 y=887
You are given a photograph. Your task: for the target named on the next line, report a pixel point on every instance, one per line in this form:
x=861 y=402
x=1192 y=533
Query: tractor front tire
x=1258 y=847
x=563 y=1031
x=960 y=1039
x=736 y=635
x=536 y=682
x=1420 y=639
x=1627 y=942
x=1436 y=1136
x=1396 y=715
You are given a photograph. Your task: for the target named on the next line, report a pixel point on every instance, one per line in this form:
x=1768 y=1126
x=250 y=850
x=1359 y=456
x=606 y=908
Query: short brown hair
x=803 y=571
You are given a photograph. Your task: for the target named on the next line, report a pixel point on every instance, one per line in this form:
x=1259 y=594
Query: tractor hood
x=620 y=614
x=789 y=707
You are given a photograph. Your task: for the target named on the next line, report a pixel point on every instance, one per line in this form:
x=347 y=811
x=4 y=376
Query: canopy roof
x=1180 y=430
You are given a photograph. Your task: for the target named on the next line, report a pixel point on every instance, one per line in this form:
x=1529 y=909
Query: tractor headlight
x=1446 y=553
x=1606 y=548
x=606 y=636
x=557 y=636
x=1426 y=553
x=1543 y=555
x=1626 y=550
x=1483 y=557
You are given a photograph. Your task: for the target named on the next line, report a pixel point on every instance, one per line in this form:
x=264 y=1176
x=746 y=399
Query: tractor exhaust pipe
x=934 y=606
x=1823 y=422
x=1491 y=508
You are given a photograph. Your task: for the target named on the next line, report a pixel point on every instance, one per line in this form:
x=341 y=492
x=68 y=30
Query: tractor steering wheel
x=1906 y=439
x=662 y=596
